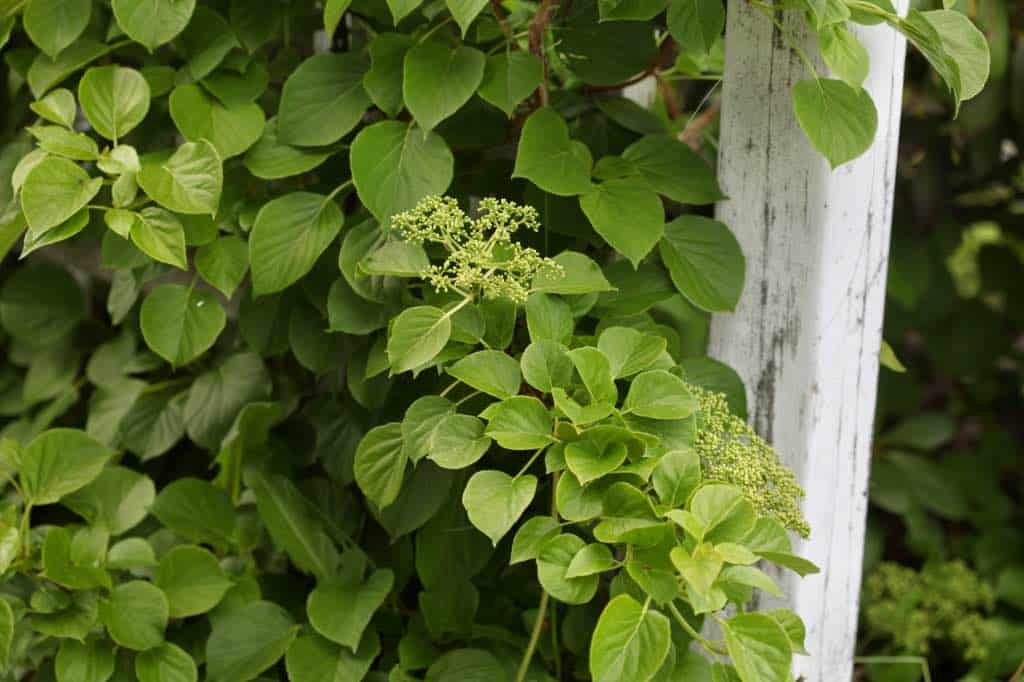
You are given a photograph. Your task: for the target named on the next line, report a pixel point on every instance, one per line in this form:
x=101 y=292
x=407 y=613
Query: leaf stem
x=334 y=192
x=529 y=463
x=699 y=638
x=538 y=625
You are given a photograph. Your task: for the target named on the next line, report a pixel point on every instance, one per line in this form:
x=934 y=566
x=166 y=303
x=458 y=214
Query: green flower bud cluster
x=943 y=603
x=731 y=452
x=482 y=257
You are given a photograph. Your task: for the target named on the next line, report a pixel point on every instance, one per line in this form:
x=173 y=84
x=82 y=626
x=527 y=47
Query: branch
x=538 y=26
x=499 y=13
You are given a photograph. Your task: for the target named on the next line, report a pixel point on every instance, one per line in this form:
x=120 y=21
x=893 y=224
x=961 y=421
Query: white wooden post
x=806 y=334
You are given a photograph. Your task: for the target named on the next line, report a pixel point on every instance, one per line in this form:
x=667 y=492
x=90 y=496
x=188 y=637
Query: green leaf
x=844 y=54
x=136 y=615
x=153 y=22
x=40 y=303
x=697 y=24
x=383 y=82
x=549 y=159
x=839 y=119
x=460 y=69
x=155 y=422
x=927 y=40
x=179 y=324
x=160 y=235
x=552 y=565
x=313 y=659
x=466 y=665
x=394 y=166
x=360 y=600
x=887 y=358
x=605 y=53
x=223 y=263
x=196 y=510
x=165 y=663
x=546 y=364
x=758 y=647
x=725 y=514
x=630 y=351
x=294 y=525
x=509 y=78
x=676 y=476
x=116 y=501
x=590 y=560
x=827 y=12
x=76 y=573
x=54 y=190
x=57 y=107
x=705 y=262
x=420 y=423
x=596 y=373
x=657 y=394
x=495 y=501
x=417 y=335
x=490 y=371
x=610 y=201
x=966 y=45
x=115 y=99
x=55 y=24
x=672 y=169
x=272 y=159
x=192 y=579
x=630 y=641
x=88 y=661
x=58 y=462
x=380 y=464
x=531 y=536
x=519 y=423
x=206 y=42
x=793 y=626
x=458 y=441
x=600 y=452
x=465 y=11
x=247 y=641
x=200 y=117
x=188 y=182
x=63 y=142
x=131 y=553
x=398 y=259
x=289 y=235
x=627 y=516
x=333 y=11
x=45 y=72
x=7 y=624
x=578 y=275
x=549 y=318
x=751 y=577
x=322 y=100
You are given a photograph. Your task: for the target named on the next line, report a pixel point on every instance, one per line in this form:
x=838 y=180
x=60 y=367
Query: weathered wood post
x=806 y=334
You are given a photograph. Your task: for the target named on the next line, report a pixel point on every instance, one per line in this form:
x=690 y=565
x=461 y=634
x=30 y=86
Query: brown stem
x=694 y=130
x=499 y=13
x=618 y=86
x=537 y=28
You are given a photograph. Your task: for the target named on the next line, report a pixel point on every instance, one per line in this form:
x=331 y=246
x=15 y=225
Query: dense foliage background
x=947 y=486
x=365 y=339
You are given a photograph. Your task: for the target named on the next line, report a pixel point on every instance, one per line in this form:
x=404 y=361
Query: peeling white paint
x=806 y=334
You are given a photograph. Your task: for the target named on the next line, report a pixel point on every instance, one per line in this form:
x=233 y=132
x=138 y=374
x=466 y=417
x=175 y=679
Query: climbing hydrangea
x=731 y=452
x=943 y=603
x=482 y=257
